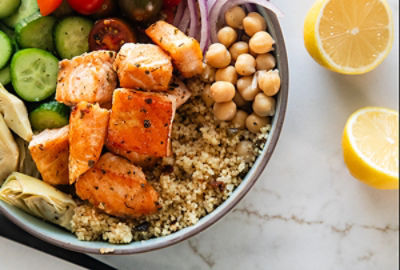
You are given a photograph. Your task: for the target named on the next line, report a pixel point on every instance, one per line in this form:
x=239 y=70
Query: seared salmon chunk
x=144 y=161
x=117 y=187
x=88 y=77
x=143 y=66
x=141 y=122
x=49 y=151
x=87 y=133
x=178 y=90
x=185 y=51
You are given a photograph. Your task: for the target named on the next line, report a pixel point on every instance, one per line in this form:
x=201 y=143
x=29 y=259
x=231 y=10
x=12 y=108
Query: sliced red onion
x=194 y=20
x=179 y=13
x=214 y=18
x=250 y=7
x=221 y=6
x=205 y=25
x=184 y=23
x=211 y=4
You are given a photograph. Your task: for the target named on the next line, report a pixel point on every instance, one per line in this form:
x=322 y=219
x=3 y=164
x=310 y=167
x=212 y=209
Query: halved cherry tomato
x=86 y=7
x=48 y=6
x=110 y=34
x=171 y=3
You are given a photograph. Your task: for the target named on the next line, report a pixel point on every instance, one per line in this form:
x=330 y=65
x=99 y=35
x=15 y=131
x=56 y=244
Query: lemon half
x=349 y=36
x=371 y=147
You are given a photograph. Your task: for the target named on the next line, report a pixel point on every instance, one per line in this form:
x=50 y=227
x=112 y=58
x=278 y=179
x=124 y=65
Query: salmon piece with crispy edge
x=179 y=91
x=118 y=187
x=141 y=122
x=185 y=51
x=89 y=77
x=49 y=151
x=144 y=161
x=143 y=66
x=87 y=133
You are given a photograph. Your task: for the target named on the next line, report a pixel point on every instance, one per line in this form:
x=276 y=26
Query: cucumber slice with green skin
x=5 y=77
x=8 y=7
x=26 y=9
x=11 y=34
x=36 y=31
x=6 y=49
x=49 y=115
x=71 y=36
x=34 y=74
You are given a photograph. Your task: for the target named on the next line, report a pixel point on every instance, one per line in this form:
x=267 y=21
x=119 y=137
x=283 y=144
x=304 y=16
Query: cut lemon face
x=349 y=36
x=371 y=147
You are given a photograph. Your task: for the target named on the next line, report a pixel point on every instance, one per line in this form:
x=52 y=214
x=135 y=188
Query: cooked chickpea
x=234 y=17
x=269 y=82
x=245 y=64
x=254 y=23
x=227 y=74
x=264 y=105
x=265 y=61
x=227 y=35
x=238 y=99
x=225 y=111
x=254 y=122
x=261 y=42
x=245 y=150
x=208 y=74
x=206 y=96
x=238 y=48
x=246 y=88
x=222 y=91
x=239 y=121
x=218 y=56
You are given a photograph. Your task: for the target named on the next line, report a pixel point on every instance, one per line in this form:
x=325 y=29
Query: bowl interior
x=65 y=239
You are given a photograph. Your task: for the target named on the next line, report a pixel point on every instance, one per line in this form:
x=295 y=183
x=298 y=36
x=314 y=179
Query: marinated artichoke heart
x=8 y=151
x=15 y=114
x=26 y=164
x=38 y=198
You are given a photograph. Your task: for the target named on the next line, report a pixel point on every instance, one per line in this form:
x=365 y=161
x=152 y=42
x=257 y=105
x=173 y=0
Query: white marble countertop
x=306 y=211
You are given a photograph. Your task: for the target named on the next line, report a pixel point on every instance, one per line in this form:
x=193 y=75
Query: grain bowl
x=197 y=187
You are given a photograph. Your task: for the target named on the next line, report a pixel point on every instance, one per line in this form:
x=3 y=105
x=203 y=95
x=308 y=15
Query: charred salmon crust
x=141 y=122
x=117 y=187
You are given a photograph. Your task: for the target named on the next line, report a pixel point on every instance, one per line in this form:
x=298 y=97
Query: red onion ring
x=184 y=23
x=179 y=12
x=205 y=25
x=194 y=28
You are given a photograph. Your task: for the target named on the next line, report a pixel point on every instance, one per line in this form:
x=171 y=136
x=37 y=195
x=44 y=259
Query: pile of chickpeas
x=240 y=72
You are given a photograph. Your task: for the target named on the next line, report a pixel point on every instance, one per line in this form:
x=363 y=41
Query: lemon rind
x=329 y=63
x=353 y=144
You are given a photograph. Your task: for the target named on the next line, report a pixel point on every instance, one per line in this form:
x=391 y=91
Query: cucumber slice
x=34 y=74
x=72 y=36
x=11 y=34
x=49 y=115
x=5 y=77
x=36 y=31
x=6 y=49
x=8 y=7
x=26 y=9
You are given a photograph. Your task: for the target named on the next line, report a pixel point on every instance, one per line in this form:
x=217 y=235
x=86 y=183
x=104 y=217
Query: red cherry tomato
x=86 y=7
x=110 y=34
x=48 y=6
x=172 y=3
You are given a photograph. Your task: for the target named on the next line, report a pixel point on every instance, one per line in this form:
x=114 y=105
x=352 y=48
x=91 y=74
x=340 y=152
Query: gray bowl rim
x=210 y=219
